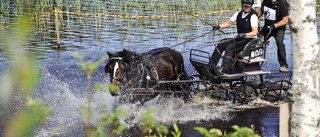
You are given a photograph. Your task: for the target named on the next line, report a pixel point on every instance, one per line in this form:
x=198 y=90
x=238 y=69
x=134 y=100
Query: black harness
x=141 y=68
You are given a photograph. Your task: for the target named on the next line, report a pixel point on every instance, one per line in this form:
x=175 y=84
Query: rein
x=190 y=39
x=214 y=44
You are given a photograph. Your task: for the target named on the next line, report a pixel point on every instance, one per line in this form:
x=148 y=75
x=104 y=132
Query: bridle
x=118 y=60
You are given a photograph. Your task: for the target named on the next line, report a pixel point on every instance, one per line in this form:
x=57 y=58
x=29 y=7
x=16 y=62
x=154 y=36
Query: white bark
x=305 y=116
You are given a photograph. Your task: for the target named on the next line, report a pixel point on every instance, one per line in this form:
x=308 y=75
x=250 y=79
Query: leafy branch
x=88 y=68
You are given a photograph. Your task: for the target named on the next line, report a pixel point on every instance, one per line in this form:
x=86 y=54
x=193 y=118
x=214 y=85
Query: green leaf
x=162 y=129
x=123 y=113
x=78 y=56
x=120 y=129
x=101 y=87
x=242 y=132
x=148 y=119
x=179 y=134
x=113 y=89
x=113 y=115
x=6 y=84
x=202 y=130
x=93 y=66
x=176 y=128
x=84 y=112
x=215 y=132
x=22 y=124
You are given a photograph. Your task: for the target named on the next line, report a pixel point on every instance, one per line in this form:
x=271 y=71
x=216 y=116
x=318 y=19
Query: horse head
x=116 y=66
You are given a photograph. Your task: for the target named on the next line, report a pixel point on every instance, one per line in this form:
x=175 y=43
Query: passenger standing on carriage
x=247 y=27
x=276 y=18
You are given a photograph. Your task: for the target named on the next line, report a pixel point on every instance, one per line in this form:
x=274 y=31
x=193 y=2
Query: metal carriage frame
x=246 y=81
x=240 y=86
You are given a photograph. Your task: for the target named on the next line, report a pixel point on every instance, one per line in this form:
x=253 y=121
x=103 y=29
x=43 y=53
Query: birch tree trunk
x=305 y=115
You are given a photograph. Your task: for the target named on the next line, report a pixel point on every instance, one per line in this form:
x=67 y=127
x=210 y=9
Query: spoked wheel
x=245 y=93
x=195 y=86
x=278 y=91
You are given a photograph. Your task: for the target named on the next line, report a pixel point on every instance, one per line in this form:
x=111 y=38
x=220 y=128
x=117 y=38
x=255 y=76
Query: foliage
x=239 y=132
x=88 y=66
x=150 y=124
x=211 y=133
x=111 y=121
x=21 y=125
x=113 y=89
x=38 y=108
x=108 y=120
x=242 y=132
x=177 y=132
x=18 y=83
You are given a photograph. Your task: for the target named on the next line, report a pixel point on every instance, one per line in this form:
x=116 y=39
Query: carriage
x=244 y=82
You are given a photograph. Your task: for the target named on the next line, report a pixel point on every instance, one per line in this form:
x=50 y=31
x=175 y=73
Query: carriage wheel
x=245 y=93
x=278 y=91
x=195 y=86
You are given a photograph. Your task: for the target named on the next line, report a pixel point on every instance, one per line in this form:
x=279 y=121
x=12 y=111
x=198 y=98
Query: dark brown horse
x=129 y=70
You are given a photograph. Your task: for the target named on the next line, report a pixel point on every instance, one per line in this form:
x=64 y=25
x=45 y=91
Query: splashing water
x=63 y=86
x=67 y=120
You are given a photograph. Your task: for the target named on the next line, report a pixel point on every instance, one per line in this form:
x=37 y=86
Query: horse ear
x=110 y=55
x=124 y=52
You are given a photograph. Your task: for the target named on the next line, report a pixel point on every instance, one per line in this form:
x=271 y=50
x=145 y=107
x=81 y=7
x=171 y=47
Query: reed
x=127 y=30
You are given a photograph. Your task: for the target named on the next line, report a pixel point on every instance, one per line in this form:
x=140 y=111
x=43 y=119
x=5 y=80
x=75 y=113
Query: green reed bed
x=182 y=25
x=128 y=7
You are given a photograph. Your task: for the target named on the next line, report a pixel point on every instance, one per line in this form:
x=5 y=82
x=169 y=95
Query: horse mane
x=128 y=56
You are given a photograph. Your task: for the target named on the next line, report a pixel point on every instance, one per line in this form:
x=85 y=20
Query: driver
x=247 y=27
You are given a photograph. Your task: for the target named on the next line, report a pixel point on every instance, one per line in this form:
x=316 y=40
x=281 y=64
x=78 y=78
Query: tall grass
x=128 y=30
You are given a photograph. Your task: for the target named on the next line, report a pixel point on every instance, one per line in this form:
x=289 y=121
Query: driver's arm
x=253 y=33
x=226 y=24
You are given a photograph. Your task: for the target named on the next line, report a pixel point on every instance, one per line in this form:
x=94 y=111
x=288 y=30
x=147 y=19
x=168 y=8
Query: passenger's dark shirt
x=274 y=12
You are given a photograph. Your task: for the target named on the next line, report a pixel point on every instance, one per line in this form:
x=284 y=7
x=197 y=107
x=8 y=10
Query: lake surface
x=63 y=84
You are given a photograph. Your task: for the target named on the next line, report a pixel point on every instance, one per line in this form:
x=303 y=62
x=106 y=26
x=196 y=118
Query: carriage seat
x=200 y=60
x=253 y=51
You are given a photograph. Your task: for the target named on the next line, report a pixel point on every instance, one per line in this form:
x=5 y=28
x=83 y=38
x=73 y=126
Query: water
x=63 y=84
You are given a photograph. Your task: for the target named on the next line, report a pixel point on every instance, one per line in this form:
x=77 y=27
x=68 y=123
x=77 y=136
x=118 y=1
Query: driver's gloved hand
x=241 y=35
x=217 y=27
